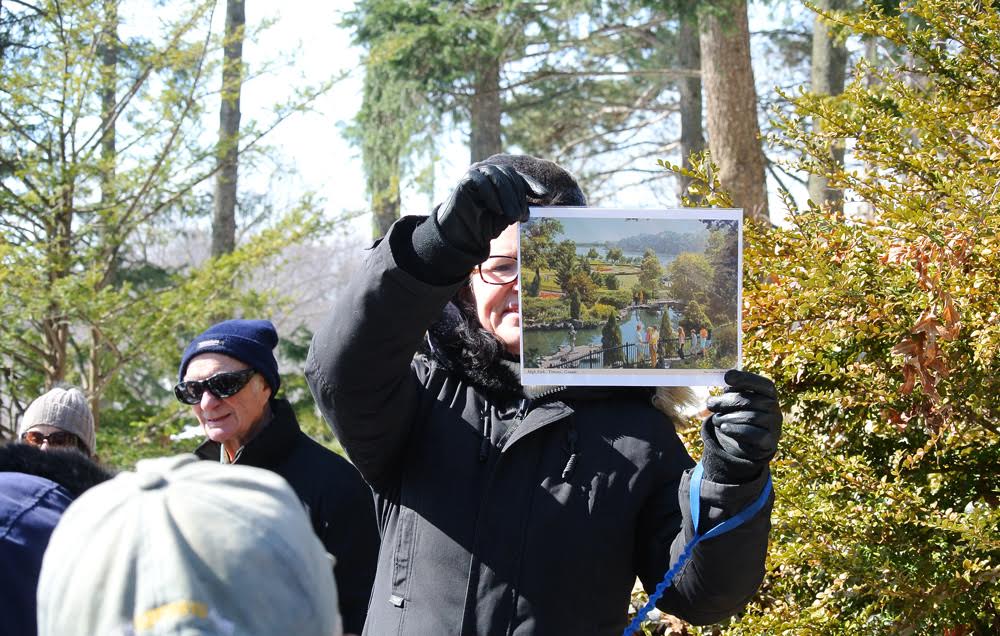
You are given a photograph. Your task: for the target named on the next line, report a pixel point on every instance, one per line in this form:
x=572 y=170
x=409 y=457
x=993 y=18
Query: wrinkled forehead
x=208 y=364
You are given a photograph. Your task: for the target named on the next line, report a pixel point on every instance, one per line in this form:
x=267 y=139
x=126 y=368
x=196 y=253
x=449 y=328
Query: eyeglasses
x=221 y=385
x=56 y=438
x=498 y=270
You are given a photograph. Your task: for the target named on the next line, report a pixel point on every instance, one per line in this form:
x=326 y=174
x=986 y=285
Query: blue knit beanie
x=249 y=341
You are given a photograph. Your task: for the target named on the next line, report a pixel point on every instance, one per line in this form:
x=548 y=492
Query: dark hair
x=458 y=338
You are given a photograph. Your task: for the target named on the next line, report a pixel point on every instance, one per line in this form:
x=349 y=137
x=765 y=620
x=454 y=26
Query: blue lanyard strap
x=694 y=492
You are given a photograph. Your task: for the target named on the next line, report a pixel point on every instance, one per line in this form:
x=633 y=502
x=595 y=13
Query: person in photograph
x=510 y=509
x=704 y=341
x=640 y=335
x=681 y=338
x=59 y=418
x=229 y=377
x=653 y=338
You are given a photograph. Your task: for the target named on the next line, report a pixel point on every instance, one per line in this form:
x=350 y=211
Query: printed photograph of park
x=630 y=294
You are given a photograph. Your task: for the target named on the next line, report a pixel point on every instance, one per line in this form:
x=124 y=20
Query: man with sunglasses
x=229 y=376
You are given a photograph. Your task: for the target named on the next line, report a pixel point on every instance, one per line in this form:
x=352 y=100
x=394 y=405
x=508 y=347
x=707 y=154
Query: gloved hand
x=487 y=200
x=741 y=435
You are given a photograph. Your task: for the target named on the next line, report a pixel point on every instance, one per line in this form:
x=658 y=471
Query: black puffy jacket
x=513 y=514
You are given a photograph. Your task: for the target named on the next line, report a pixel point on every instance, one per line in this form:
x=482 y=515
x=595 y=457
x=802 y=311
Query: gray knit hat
x=183 y=547
x=66 y=409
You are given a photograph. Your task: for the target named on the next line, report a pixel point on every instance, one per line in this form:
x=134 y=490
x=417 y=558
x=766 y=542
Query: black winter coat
x=513 y=515
x=338 y=501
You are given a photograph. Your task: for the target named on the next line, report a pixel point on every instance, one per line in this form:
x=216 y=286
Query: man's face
x=497 y=306
x=234 y=418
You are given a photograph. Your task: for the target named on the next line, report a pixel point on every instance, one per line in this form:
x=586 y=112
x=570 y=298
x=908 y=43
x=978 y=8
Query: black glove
x=741 y=435
x=456 y=237
x=487 y=200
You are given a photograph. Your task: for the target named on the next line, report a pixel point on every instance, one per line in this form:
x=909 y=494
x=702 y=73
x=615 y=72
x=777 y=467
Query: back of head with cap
x=182 y=546
x=249 y=341
x=64 y=408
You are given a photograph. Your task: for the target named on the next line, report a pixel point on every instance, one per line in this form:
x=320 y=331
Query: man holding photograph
x=510 y=509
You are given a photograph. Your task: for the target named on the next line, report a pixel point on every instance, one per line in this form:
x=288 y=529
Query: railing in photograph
x=595 y=359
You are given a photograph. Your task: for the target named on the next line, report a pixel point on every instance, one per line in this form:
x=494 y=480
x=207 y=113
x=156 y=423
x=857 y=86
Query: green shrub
x=882 y=332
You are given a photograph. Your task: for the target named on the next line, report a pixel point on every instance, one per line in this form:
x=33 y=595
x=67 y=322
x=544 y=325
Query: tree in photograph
x=564 y=262
x=614 y=255
x=668 y=337
x=694 y=317
x=574 y=304
x=592 y=254
x=611 y=281
x=611 y=342
x=583 y=285
x=722 y=256
x=690 y=277
x=538 y=241
x=650 y=273
x=882 y=336
x=534 y=288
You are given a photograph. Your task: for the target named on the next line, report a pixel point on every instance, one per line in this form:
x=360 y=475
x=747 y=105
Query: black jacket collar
x=269 y=447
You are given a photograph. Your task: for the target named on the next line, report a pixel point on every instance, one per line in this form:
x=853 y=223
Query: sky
x=601 y=230
x=313 y=142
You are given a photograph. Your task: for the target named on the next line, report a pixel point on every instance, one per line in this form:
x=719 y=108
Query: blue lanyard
x=694 y=491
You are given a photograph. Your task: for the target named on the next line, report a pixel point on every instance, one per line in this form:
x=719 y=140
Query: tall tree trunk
x=689 y=58
x=224 y=221
x=484 y=112
x=829 y=71
x=731 y=106
x=108 y=51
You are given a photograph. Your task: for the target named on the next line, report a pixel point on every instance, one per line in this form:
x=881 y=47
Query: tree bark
x=731 y=106
x=829 y=71
x=484 y=112
x=224 y=219
x=108 y=52
x=689 y=58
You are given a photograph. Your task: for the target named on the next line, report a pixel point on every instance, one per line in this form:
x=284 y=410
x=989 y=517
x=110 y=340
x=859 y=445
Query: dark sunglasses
x=221 y=385
x=57 y=438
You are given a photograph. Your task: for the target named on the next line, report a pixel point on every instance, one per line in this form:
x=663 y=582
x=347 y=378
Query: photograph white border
x=639 y=377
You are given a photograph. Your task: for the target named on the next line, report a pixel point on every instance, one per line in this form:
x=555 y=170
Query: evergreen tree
x=611 y=341
x=667 y=334
x=695 y=318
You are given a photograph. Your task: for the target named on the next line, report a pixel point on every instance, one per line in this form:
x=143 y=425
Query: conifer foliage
x=882 y=332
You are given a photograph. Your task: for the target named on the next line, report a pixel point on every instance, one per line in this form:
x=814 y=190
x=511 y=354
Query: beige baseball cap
x=187 y=547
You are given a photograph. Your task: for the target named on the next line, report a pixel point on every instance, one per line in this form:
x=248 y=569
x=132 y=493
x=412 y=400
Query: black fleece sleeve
x=358 y=367
x=425 y=254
